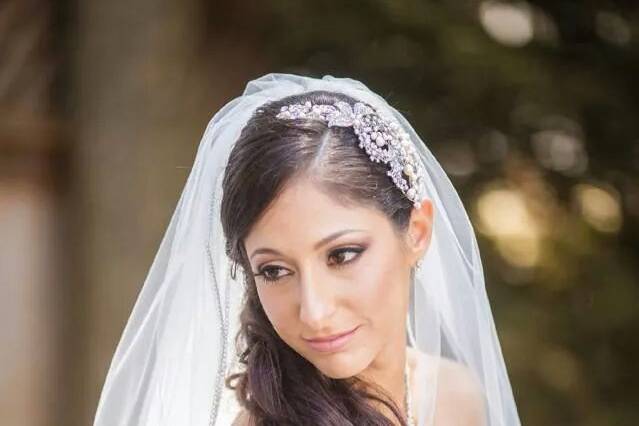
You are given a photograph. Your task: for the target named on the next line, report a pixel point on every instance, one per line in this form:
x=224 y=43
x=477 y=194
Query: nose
x=317 y=300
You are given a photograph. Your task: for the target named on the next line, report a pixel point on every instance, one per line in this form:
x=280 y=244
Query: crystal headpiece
x=382 y=138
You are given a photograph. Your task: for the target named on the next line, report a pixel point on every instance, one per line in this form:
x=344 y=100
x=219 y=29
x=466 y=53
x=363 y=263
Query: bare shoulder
x=460 y=400
x=242 y=419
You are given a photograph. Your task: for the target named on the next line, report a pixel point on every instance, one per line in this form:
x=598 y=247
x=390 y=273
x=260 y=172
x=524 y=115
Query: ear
x=419 y=231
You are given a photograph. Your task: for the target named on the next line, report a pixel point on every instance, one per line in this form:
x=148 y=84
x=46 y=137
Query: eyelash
x=357 y=250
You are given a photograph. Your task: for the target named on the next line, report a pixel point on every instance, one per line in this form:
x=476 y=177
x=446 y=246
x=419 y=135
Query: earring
x=418 y=264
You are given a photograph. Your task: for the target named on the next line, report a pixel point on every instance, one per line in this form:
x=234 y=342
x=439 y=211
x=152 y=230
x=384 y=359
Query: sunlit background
x=531 y=107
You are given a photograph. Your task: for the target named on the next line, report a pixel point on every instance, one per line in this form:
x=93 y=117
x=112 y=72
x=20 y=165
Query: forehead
x=303 y=214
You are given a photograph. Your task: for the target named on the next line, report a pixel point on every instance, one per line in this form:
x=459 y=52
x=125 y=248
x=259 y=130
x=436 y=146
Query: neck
x=387 y=371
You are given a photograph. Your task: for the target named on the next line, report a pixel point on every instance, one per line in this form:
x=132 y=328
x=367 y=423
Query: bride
x=319 y=269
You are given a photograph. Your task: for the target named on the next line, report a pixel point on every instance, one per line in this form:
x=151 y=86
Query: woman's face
x=334 y=270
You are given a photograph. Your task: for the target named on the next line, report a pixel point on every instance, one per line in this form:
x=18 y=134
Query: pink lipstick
x=331 y=343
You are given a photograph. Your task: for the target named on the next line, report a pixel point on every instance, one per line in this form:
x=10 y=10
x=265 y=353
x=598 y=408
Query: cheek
x=382 y=291
x=278 y=307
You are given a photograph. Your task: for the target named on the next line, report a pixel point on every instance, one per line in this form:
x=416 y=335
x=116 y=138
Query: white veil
x=177 y=347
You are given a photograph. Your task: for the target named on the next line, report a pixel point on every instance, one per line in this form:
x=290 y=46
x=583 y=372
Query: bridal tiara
x=382 y=138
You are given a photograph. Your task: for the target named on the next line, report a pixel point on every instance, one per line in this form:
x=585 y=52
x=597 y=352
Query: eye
x=269 y=273
x=345 y=255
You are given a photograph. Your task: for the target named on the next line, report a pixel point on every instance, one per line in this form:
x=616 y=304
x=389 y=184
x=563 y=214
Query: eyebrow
x=317 y=245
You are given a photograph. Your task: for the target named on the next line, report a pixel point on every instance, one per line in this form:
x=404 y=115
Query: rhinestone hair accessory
x=381 y=136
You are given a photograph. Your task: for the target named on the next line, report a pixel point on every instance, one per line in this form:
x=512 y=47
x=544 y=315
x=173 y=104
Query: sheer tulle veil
x=177 y=347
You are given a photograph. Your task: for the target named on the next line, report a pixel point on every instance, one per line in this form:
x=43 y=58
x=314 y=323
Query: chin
x=335 y=372
x=340 y=366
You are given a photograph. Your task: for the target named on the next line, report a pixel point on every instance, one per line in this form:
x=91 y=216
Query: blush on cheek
x=270 y=309
x=379 y=289
x=279 y=310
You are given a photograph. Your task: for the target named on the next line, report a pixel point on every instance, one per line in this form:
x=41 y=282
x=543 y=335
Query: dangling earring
x=418 y=264
x=234 y=270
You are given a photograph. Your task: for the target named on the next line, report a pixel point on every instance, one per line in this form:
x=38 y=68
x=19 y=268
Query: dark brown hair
x=269 y=154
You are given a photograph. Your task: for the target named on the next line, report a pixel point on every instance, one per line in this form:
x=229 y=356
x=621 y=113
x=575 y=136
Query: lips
x=331 y=343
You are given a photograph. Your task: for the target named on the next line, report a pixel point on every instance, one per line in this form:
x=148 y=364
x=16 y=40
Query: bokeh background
x=531 y=107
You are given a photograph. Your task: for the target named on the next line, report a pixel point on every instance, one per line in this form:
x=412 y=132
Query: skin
x=358 y=279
